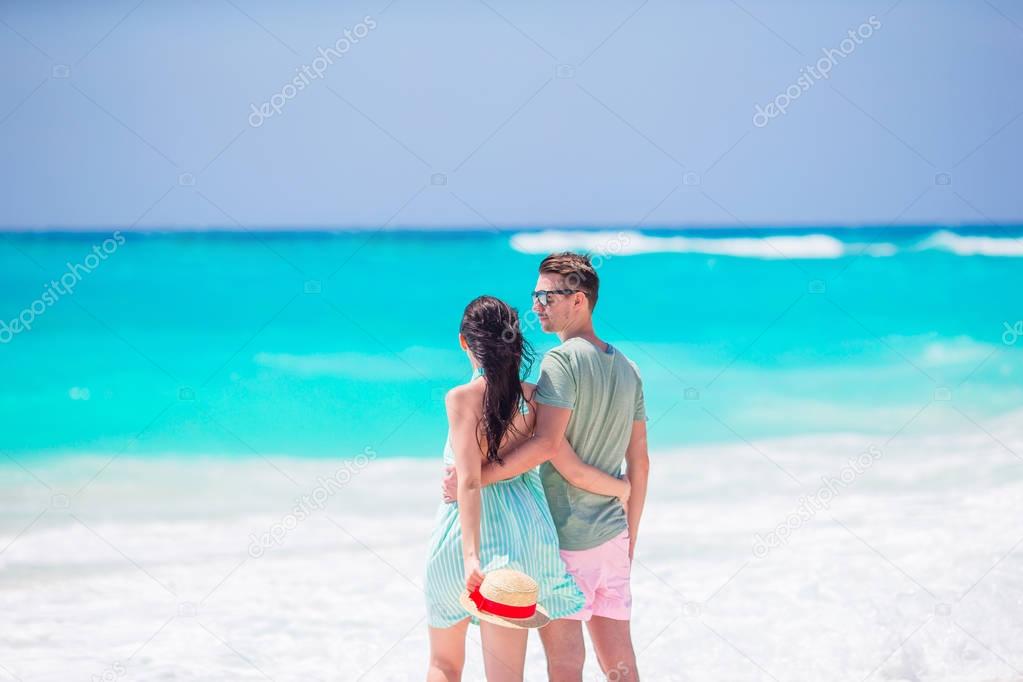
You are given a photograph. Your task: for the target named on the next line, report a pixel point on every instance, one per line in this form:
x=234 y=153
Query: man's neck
x=583 y=331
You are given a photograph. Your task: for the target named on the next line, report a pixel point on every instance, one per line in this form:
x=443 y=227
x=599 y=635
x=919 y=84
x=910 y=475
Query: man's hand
x=637 y=463
x=449 y=486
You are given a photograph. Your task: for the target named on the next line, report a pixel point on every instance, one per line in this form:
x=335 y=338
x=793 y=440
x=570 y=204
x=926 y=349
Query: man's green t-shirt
x=605 y=393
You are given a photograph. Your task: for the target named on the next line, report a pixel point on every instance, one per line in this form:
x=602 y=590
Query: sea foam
x=910 y=572
x=967 y=245
x=767 y=247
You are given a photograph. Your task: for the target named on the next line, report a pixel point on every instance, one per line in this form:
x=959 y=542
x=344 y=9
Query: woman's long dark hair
x=491 y=330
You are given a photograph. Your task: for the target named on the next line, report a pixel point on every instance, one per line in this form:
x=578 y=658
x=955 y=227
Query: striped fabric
x=516 y=531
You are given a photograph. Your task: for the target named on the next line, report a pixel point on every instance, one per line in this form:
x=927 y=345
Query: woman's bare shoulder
x=465 y=398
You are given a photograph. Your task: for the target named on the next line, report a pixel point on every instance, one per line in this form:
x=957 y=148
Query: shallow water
x=187 y=567
x=326 y=344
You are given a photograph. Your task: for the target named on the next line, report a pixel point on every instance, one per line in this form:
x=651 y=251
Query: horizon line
x=328 y=229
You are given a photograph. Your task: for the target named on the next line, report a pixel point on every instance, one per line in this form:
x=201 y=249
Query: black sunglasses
x=542 y=294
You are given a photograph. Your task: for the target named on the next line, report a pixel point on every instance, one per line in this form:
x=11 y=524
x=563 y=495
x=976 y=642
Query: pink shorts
x=602 y=573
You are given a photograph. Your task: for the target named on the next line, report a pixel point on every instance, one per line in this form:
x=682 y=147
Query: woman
x=507 y=524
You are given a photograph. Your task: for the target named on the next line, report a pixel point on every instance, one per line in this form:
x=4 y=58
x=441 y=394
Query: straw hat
x=507 y=597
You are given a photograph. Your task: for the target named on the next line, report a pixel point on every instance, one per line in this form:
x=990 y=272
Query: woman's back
x=520 y=428
x=516 y=531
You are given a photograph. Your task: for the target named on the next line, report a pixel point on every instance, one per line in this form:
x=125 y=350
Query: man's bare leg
x=563 y=644
x=612 y=642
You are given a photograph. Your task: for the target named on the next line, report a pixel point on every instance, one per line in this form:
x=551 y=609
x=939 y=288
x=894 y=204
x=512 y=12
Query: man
x=591 y=394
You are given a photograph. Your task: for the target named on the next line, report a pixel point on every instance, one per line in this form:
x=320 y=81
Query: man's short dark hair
x=577 y=270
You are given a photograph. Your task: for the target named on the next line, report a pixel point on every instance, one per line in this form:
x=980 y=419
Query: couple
x=556 y=537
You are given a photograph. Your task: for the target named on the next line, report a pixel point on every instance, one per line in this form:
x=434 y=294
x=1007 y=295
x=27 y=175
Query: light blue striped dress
x=516 y=531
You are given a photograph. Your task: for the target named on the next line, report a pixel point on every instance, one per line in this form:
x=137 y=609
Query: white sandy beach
x=913 y=572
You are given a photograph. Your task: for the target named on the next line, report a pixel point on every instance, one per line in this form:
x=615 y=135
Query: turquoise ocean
x=325 y=344
x=187 y=429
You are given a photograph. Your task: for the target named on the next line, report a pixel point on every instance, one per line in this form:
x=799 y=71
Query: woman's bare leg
x=447 y=653
x=504 y=652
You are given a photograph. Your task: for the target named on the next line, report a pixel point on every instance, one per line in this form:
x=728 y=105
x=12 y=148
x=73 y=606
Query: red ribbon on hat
x=498 y=609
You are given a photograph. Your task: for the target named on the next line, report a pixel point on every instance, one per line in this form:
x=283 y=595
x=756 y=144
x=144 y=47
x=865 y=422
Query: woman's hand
x=624 y=499
x=449 y=485
x=473 y=574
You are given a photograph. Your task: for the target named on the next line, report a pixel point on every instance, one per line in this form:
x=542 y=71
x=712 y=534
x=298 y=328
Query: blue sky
x=487 y=113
